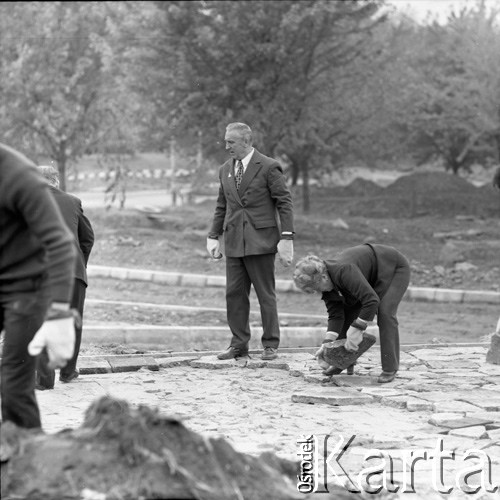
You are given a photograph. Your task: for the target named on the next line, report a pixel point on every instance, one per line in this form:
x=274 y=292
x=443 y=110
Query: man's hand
x=285 y=252
x=58 y=336
x=330 y=337
x=213 y=248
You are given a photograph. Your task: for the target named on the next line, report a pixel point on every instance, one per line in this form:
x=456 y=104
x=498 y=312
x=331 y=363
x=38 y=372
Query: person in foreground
x=252 y=196
x=37 y=260
x=72 y=212
x=357 y=284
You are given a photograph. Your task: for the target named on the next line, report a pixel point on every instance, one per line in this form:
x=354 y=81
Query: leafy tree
x=60 y=73
x=272 y=64
x=452 y=100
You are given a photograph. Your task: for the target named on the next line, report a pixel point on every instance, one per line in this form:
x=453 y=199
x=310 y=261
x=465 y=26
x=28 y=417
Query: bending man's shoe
x=40 y=387
x=332 y=370
x=269 y=353
x=232 y=353
x=68 y=378
x=385 y=377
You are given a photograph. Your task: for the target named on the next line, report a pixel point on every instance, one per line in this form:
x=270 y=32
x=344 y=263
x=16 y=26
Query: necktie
x=239 y=174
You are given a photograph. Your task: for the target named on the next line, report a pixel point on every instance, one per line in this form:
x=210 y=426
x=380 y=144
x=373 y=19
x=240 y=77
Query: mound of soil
x=121 y=453
x=423 y=193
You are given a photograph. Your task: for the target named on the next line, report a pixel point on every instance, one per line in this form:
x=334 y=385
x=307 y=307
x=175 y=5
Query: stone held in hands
x=340 y=357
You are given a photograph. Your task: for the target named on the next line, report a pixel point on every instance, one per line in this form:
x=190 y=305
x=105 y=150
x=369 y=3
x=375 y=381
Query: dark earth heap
x=123 y=453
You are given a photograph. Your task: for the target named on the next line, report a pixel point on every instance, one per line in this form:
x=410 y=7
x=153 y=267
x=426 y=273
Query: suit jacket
x=72 y=212
x=252 y=218
x=361 y=276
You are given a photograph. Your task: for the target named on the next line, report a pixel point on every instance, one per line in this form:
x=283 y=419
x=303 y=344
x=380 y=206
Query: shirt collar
x=247 y=159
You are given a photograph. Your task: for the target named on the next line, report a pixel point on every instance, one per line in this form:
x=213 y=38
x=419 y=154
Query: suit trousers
x=241 y=273
x=77 y=302
x=46 y=376
x=21 y=315
x=387 y=320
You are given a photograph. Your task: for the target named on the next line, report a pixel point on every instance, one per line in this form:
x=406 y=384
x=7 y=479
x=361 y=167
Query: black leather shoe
x=70 y=377
x=350 y=369
x=269 y=353
x=40 y=387
x=332 y=370
x=385 y=377
x=232 y=353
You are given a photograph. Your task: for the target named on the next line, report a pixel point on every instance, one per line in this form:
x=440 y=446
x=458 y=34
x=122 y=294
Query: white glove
x=58 y=336
x=330 y=337
x=285 y=252
x=354 y=338
x=213 y=248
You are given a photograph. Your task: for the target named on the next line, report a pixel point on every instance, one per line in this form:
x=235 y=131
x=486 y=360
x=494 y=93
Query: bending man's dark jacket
x=79 y=225
x=35 y=244
x=252 y=218
x=361 y=275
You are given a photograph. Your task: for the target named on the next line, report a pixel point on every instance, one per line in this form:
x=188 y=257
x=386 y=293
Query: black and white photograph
x=250 y=250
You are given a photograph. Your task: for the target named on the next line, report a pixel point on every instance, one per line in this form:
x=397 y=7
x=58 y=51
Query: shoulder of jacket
x=267 y=160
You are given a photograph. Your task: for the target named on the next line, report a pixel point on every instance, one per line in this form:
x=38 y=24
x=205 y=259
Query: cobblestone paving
x=444 y=406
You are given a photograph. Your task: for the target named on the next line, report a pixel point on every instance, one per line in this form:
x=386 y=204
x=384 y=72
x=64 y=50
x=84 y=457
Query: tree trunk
x=294 y=170
x=305 y=188
x=61 y=166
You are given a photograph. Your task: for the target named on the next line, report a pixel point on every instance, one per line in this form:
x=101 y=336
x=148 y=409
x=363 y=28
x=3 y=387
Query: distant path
x=154 y=197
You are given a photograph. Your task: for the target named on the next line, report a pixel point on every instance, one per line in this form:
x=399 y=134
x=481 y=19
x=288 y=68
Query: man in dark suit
x=254 y=212
x=37 y=259
x=359 y=283
x=72 y=212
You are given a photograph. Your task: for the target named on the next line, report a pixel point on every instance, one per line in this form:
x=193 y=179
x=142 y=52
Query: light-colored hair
x=51 y=174
x=243 y=129
x=308 y=273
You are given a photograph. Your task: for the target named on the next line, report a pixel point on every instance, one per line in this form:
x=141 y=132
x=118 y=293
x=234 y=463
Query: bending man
x=357 y=284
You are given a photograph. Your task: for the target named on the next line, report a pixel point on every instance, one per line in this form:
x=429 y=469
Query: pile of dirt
x=417 y=194
x=121 y=453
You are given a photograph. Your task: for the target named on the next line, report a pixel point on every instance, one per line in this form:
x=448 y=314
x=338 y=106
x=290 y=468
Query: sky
x=437 y=9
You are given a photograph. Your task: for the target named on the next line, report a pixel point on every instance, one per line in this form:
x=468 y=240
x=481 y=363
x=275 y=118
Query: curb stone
x=426 y=294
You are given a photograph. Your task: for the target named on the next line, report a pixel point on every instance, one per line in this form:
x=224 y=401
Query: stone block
x=482 y=296
x=475 y=432
x=98 y=271
x=381 y=392
x=91 y=365
x=277 y=364
x=358 y=382
x=493 y=354
x=453 y=407
x=439 y=396
x=421 y=293
x=340 y=357
x=493 y=434
x=212 y=363
x=315 y=378
x=131 y=363
x=216 y=281
x=484 y=399
x=447 y=295
x=455 y=421
x=173 y=279
x=255 y=363
x=438 y=419
x=140 y=274
x=416 y=404
x=332 y=396
x=119 y=273
x=194 y=280
x=395 y=401
x=175 y=361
